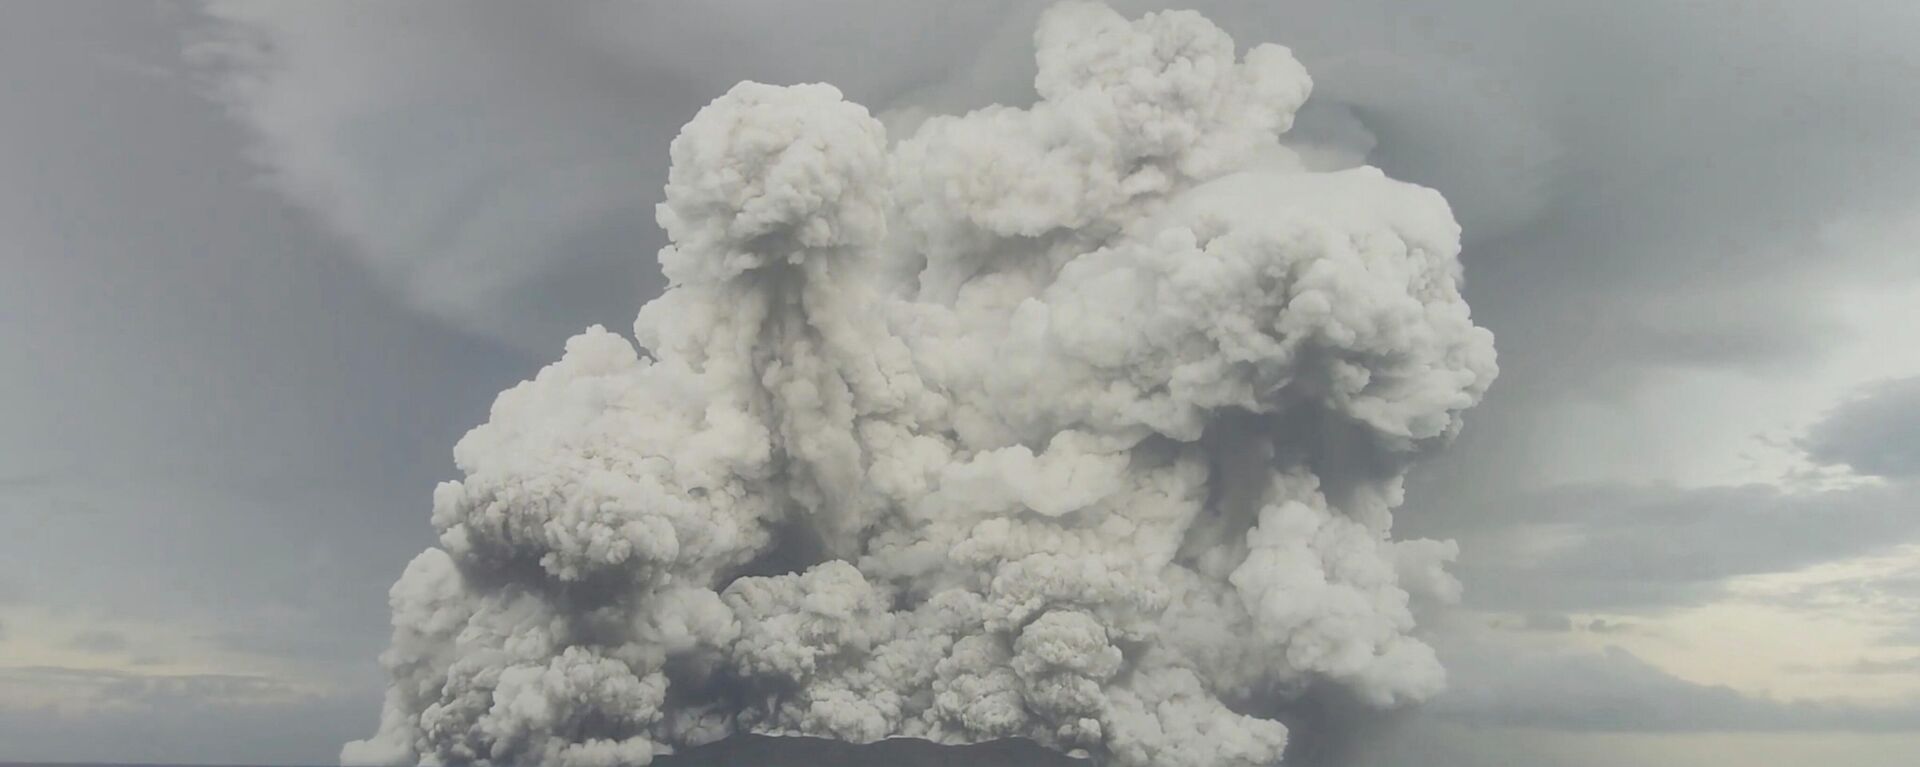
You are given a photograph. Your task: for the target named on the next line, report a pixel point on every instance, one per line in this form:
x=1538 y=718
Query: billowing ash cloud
x=1081 y=423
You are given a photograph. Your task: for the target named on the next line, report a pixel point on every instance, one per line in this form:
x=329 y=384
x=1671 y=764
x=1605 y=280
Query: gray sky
x=247 y=318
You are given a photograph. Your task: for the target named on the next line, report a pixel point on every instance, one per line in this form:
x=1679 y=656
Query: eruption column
x=1082 y=423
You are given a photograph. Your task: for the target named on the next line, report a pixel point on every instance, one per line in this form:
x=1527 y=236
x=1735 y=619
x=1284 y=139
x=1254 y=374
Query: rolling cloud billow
x=1081 y=423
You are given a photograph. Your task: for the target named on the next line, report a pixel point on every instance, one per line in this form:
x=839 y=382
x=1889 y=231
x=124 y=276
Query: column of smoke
x=1080 y=423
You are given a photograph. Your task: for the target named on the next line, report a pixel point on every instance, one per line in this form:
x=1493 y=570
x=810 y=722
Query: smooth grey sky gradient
x=248 y=302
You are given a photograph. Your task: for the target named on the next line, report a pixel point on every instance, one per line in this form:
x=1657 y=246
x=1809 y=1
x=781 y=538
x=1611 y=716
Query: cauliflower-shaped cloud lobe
x=1082 y=423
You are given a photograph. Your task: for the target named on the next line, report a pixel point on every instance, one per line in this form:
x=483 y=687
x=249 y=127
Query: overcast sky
x=252 y=292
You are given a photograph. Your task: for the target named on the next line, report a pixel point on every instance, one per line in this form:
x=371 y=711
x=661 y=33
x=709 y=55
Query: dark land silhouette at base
x=765 y=751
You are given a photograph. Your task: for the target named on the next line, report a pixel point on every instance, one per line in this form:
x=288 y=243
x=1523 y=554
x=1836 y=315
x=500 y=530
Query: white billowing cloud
x=1082 y=423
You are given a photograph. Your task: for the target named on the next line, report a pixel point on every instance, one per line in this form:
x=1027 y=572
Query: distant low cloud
x=1556 y=623
x=1615 y=691
x=54 y=713
x=1907 y=665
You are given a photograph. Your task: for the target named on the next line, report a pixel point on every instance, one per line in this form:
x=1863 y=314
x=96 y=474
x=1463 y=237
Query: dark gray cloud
x=1546 y=622
x=1641 y=547
x=1604 y=626
x=100 y=642
x=1876 y=433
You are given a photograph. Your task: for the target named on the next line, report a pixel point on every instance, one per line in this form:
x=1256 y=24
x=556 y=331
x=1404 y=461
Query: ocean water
x=762 y=751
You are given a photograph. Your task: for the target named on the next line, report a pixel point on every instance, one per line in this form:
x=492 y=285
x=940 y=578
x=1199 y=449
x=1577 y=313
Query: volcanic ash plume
x=1080 y=423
